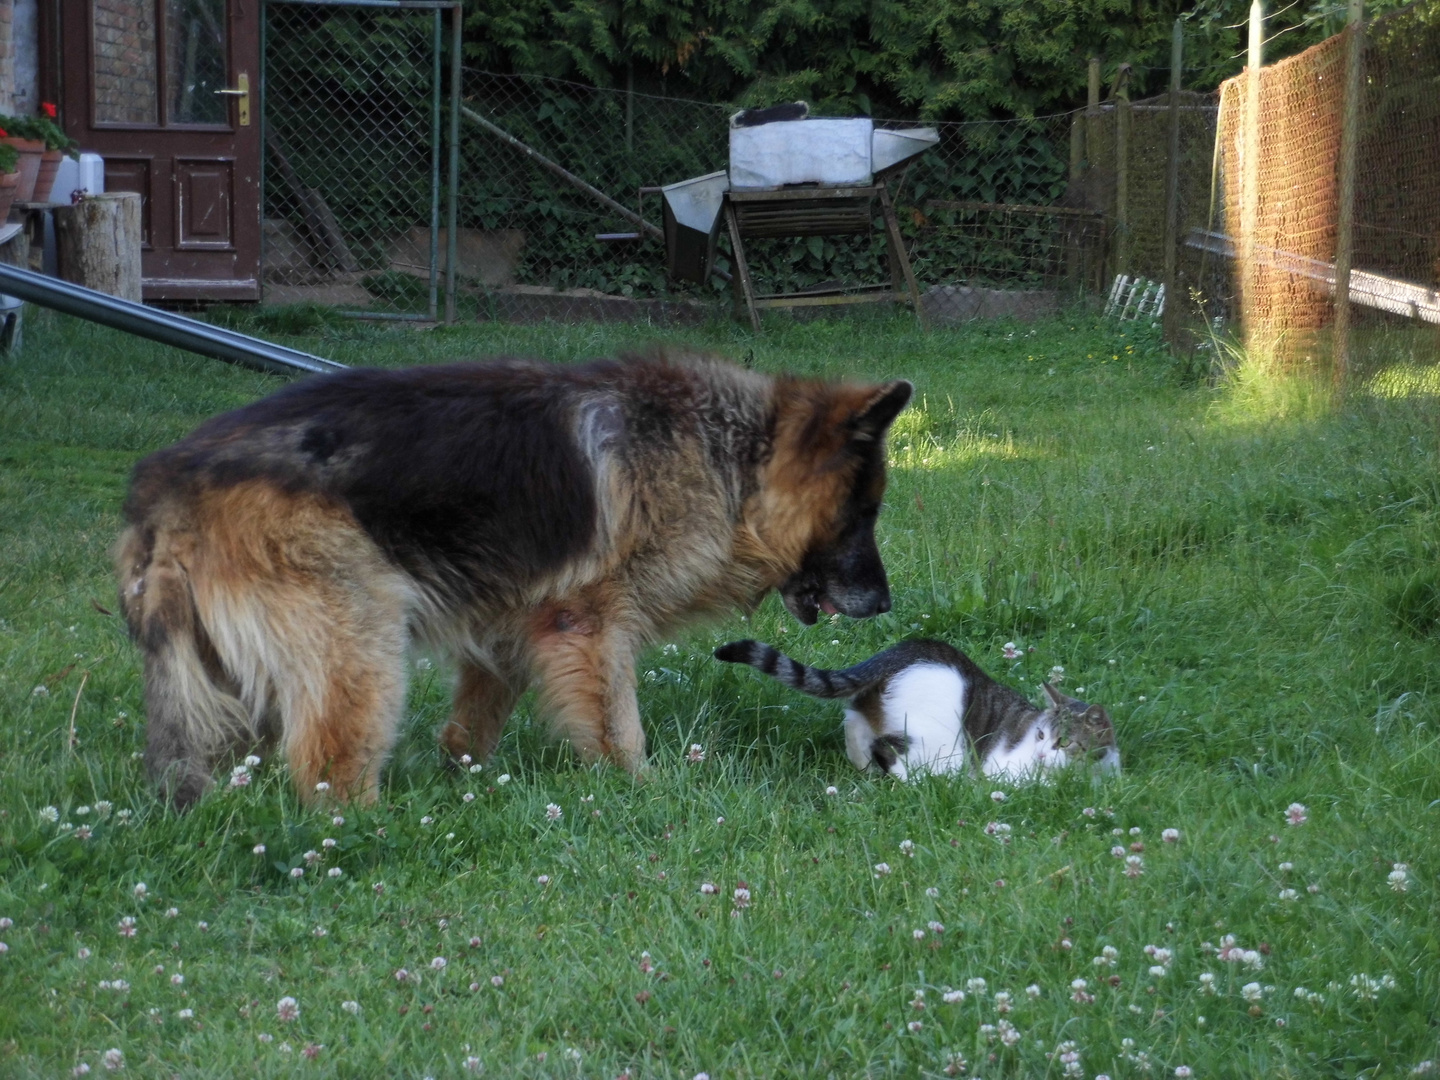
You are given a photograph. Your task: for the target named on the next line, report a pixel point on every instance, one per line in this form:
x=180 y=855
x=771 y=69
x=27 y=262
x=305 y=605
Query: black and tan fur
x=924 y=705
x=534 y=522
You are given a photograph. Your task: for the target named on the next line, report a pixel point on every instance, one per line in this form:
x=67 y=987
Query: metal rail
x=165 y=327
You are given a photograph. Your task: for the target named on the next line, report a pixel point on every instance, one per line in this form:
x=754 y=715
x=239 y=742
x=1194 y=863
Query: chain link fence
x=558 y=208
x=353 y=153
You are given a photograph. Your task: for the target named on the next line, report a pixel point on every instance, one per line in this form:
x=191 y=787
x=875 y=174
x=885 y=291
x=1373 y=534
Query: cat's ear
x=1057 y=699
x=1096 y=716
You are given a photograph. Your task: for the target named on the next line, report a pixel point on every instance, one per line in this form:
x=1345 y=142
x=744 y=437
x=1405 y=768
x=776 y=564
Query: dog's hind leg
x=191 y=708
x=341 y=694
x=483 y=702
x=311 y=621
x=586 y=669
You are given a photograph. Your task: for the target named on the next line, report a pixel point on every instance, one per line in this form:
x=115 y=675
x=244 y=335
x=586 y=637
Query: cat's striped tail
x=817 y=682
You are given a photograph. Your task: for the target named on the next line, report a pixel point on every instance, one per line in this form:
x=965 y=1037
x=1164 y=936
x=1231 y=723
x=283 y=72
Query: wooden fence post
x=1250 y=174
x=1345 y=221
x=1122 y=172
x=1171 y=318
x=1092 y=130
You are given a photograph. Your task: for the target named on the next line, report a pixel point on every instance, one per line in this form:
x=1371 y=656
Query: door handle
x=242 y=91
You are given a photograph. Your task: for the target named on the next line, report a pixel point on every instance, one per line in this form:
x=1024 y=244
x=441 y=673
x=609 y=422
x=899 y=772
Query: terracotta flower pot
x=45 y=178
x=30 y=153
x=9 y=183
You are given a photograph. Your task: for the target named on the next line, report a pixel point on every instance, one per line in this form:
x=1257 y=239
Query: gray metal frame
x=438 y=7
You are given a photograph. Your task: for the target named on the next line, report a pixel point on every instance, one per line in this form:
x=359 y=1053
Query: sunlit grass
x=1247 y=576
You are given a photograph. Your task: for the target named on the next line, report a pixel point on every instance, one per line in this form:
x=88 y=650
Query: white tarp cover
x=812 y=151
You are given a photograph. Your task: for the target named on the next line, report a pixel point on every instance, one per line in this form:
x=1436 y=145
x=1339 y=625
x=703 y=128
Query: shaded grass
x=1247 y=583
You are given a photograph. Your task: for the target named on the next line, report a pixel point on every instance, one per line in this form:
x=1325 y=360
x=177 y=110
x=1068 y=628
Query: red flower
x=48 y=109
x=4 y=134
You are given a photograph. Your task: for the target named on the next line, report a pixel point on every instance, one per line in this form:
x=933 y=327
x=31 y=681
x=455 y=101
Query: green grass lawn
x=1248 y=579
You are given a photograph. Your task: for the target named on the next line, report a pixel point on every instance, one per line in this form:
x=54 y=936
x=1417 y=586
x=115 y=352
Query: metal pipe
x=564 y=173
x=163 y=326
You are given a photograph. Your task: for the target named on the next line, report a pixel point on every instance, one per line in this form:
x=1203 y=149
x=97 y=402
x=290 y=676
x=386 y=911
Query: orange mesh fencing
x=1284 y=244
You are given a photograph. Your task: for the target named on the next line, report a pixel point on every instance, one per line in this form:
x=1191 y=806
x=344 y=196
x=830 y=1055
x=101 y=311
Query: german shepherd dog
x=535 y=523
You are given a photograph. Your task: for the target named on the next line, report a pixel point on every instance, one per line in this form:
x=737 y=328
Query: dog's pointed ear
x=877 y=414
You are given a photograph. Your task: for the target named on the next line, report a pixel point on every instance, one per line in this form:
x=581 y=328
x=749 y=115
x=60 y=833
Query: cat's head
x=1082 y=732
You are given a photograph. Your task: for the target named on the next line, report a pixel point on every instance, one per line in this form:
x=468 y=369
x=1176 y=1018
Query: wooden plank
x=900 y=271
x=797 y=194
x=1370 y=289
x=1011 y=208
x=740 y=281
x=834 y=301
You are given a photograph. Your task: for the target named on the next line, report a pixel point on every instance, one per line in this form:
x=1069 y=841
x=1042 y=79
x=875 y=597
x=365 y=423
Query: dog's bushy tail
x=192 y=709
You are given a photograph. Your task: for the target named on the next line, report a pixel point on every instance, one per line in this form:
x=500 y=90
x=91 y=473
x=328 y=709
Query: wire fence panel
x=352 y=156
x=534 y=240
x=559 y=214
x=1284 y=237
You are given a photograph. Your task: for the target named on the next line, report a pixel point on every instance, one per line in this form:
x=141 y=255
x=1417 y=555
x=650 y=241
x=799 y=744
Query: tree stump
x=97 y=243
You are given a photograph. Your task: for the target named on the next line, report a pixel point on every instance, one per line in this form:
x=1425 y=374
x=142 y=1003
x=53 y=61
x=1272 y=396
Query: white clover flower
x=997 y=796
x=1296 y=814
x=322 y=787
x=907 y=847
x=1289 y=894
x=1170 y=836
x=952 y=997
x=553 y=812
x=351 y=1007
x=334 y=872
x=113 y=1059
x=1399 y=877
x=1252 y=992
x=503 y=778
x=438 y=964
x=975 y=986
x=832 y=790
x=881 y=869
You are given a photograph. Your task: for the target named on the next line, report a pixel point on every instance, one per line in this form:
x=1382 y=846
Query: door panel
x=203 y=204
x=133 y=174
x=152 y=90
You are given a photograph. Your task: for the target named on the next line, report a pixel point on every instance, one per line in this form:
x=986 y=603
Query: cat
x=921 y=705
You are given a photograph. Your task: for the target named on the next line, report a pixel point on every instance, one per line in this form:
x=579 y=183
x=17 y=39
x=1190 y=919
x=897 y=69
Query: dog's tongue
x=828 y=607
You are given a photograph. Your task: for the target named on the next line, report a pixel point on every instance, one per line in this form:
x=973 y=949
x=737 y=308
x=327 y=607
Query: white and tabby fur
x=924 y=706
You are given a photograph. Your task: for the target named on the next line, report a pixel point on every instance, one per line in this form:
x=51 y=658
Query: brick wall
x=7 y=56
x=125 y=61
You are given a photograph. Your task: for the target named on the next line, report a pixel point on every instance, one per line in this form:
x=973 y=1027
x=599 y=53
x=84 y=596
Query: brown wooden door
x=151 y=85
